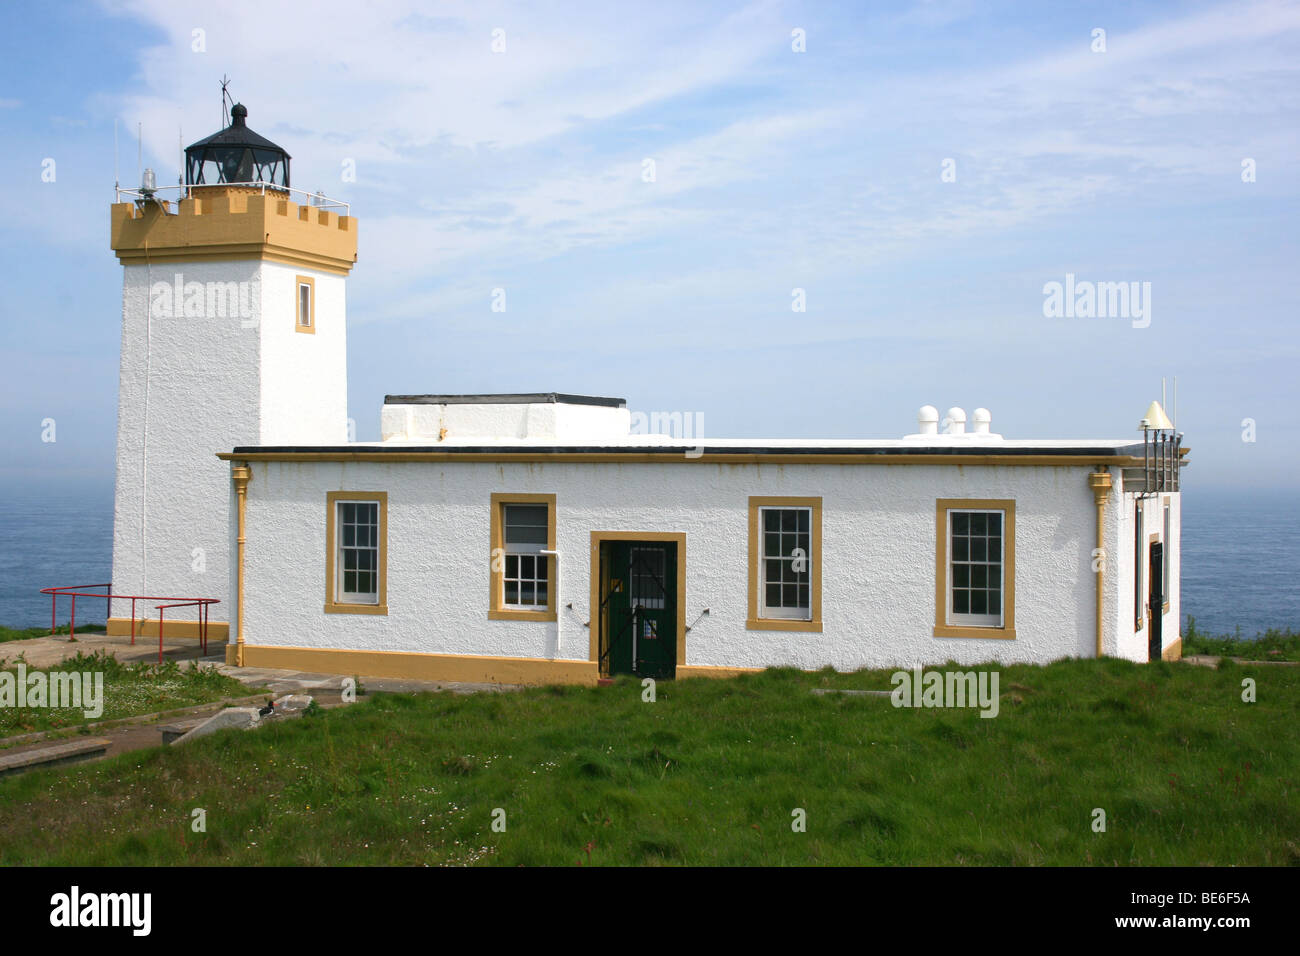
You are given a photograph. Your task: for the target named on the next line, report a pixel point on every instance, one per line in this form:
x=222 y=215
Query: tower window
x=306 y=304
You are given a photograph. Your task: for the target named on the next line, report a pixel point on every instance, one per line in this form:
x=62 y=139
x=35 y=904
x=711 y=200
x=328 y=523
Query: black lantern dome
x=236 y=155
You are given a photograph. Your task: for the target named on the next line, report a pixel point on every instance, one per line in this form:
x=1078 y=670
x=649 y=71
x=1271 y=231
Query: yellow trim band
x=148 y=627
x=470 y=668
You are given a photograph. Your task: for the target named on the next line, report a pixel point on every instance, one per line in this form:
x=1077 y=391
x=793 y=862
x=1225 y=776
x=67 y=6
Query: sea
x=1241 y=555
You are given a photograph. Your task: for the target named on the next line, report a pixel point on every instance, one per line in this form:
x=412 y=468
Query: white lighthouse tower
x=233 y=333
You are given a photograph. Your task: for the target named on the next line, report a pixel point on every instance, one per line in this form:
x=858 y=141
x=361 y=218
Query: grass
x=25 y=633
x=129 y=690
x=1272 y=645
x=710 y=774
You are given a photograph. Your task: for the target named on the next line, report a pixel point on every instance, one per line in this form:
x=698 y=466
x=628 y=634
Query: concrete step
x=54 y=755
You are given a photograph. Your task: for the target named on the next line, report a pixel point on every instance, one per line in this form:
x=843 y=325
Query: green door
x=640 y=622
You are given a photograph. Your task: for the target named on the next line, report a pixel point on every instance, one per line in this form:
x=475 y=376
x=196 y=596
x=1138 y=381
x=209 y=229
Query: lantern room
x=236 y=155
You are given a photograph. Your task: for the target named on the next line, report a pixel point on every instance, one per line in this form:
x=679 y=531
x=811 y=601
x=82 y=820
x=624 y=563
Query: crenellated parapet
x=231 y=222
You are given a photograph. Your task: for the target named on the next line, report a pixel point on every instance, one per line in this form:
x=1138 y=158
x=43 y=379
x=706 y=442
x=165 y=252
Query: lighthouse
x=233 y=333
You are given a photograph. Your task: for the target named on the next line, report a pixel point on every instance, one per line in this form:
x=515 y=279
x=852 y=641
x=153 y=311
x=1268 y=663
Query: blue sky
x=774 y=170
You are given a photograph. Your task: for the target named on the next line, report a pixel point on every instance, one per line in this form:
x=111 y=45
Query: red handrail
x=75 y=591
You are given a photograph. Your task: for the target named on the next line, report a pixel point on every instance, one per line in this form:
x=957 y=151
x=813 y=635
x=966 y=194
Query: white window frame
x=959 y=619
x=519 y=552
x=305 y=310
x=341 y=594
x=782 y=613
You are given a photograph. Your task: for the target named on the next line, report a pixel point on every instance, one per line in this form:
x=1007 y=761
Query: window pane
x=978 y=523
x=526 y=592
x=995 y=549
x=995 y=524
x=773 y=570
x=773 y=595
x=804 y=514
x=512 y=592
x=979 y=575
x=978 y=549
x=541 y=570
x=961 y=575
x=960 y=523
x=960 y=602
x=771 y=519
x=995 y=602
x=541 y=592
x=960 y=548
x=526 y=525
x=978 y=602
x=771 y=545
x=526 y=564
x=788 y=519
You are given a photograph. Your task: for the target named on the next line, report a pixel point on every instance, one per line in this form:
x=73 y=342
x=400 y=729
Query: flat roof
x=507 y=398
x=722 y=448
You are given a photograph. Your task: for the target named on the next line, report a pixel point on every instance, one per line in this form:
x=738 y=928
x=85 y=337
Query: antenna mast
x=225 y=95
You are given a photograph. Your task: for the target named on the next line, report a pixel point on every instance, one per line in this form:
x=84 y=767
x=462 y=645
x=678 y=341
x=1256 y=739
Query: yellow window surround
x=753 y=620
x=497 y=609
x=332 y=501
x=942 y=541
x=309 y=325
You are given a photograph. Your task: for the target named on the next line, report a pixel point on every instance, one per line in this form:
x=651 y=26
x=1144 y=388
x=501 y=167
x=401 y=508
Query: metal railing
x=317 y=199
x=75 y=591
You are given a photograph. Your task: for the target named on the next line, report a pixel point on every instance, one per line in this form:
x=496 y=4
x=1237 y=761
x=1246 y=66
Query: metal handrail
x=317 y=199
x=75 y=591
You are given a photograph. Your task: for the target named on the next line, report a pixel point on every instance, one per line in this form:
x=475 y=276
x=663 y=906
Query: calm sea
x=1241 y=553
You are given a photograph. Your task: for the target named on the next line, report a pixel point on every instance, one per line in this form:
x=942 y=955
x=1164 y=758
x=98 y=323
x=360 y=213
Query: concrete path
x=42 y=652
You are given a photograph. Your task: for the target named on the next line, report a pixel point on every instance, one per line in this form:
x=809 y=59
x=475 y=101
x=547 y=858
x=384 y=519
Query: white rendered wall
x=303 y=376
x=878 y=558
x=1132 y=641
x=214 y=381
x=490 y=421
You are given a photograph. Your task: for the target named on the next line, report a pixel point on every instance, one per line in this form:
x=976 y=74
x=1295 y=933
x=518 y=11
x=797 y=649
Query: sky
x=656 y=188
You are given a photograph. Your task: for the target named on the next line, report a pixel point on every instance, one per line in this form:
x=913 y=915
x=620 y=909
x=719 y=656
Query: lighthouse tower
x=233 y=333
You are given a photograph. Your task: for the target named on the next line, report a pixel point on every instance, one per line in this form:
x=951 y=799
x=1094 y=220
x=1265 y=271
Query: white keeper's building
x=529 y=538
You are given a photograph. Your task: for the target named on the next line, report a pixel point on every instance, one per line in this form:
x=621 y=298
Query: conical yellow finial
x=1155 y=418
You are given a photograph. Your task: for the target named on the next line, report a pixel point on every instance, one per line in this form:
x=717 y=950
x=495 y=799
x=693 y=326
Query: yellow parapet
x=219 y=223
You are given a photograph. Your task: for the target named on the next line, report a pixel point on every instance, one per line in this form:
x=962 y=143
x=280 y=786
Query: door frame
x=1151 y=614
x=599 y=537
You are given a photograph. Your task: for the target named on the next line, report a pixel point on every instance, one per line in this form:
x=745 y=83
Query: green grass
x=1186 y=772
x=1272 y=645
x=25 y=633
x=129 y=690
